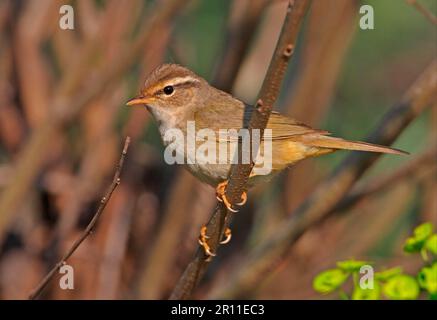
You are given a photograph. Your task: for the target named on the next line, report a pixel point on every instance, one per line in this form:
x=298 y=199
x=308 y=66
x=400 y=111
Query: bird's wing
x=284 y=127
x=238 y=116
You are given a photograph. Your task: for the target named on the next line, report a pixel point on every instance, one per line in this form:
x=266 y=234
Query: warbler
x=175 y=95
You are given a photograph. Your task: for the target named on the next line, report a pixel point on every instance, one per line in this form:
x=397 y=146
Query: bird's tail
x=334 y=143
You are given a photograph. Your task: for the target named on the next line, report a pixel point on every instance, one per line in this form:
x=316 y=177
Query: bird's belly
x=284 y=154
x=209 y=173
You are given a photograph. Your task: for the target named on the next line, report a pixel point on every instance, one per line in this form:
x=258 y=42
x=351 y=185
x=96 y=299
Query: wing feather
x=238 y=116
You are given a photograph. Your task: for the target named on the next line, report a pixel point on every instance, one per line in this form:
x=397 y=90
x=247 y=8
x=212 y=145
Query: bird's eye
x=168 y=90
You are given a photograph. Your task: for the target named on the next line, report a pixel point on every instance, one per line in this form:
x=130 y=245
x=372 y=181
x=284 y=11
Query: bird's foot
x=228 y=236
x=203 y=241
x=220 y=195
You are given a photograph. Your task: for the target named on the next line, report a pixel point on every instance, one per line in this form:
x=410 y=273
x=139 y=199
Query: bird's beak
x=137 y=101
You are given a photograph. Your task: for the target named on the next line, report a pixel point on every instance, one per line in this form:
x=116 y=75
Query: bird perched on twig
x=175 y=96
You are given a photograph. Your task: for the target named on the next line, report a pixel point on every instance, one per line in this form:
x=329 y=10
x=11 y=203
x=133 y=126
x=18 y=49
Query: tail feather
x=338 y=143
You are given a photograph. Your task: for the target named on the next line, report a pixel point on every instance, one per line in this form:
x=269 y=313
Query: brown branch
x=423 y=11
x=89 y=229
x=319 y=205
x=239 y=173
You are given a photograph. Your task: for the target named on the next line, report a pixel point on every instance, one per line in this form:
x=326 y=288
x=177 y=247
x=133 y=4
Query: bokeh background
x=63 y=123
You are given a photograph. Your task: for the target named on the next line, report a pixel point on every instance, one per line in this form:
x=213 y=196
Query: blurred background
x=63 y=123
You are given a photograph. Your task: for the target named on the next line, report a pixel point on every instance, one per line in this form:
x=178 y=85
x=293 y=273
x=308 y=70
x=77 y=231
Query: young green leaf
x=413 y=245
x=427 y=279
x=401 y=287
x=423 y=231
x=367 y=294
x=387 y=274
x=351 y=265
x=431 y=244
x=418 y=240
x=329 y=280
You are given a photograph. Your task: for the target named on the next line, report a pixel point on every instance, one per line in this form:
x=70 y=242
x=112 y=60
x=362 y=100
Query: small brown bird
x=175 y=96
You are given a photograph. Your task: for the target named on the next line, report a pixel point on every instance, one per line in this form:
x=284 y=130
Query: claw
x=203 y=243
x=207 y=249
x=203 y=234
x=220 y=195
x=243 y=199
x=220 y=190
x=228 y=205
x=228 y=236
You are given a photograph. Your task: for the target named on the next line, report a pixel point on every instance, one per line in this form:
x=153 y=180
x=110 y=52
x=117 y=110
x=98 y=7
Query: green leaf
x=423 y=231
x=413 y=245
x=329 y=280
x=387 y=274
x=418 y=240
x=401 y=287
x=424 y=254
x=367 y=293
x=427 y=279
x=431 y=244
x=351 y=265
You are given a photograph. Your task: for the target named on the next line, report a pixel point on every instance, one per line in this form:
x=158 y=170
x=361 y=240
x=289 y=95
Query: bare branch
x=239 y=173
x=115 y=182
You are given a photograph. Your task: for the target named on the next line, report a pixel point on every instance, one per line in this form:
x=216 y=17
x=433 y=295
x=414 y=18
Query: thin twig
x=115 y=182
x=239 y=173
x=428 y=14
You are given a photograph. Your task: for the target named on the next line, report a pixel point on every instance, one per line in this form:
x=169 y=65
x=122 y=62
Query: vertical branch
x=239 y=174
x=329 y=30
x=269 y=92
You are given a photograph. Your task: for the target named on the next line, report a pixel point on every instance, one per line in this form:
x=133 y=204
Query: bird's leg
x=203 y=237
x=220 y=195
